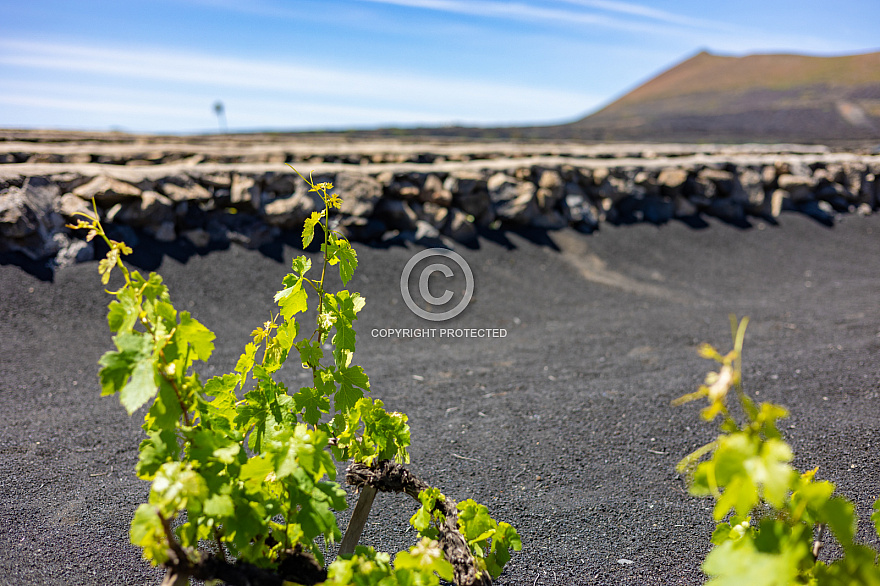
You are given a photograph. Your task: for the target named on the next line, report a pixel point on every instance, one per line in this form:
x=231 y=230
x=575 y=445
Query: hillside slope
x=757 y=97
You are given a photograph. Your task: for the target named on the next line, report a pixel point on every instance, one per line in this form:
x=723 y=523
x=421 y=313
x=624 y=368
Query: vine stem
x=817 y=545
x=290 y=506
x=173 y=383
x=175 y=547
x=326 y=228
x=220 y=548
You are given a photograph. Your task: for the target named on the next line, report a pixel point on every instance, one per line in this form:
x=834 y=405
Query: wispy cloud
x=303 y=94
x=527 y=12
x=631 y=18
x=651 y=13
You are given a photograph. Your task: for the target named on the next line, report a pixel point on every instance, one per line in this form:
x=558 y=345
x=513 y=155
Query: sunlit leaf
x=198 y=336
x=309 y=230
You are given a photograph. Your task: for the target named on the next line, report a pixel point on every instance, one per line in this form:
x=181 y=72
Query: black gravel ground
x=563 y=428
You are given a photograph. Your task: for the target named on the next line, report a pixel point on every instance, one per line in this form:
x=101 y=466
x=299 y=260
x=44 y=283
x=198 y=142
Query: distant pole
x=221 y=115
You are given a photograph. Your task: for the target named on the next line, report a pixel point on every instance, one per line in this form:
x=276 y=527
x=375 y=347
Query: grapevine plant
x=242 y=467
x=771 y=519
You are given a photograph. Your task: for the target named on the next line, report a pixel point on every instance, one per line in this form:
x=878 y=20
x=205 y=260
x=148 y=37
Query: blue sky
x=160 y=65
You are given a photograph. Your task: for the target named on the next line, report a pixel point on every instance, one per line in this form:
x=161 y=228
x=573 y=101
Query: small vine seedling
x=771 y=519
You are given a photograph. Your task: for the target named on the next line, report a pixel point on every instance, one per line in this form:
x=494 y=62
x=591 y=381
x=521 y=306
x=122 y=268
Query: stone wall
x=429 y=198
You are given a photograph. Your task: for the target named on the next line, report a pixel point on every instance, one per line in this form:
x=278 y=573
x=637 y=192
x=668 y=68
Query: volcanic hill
x=754 y=98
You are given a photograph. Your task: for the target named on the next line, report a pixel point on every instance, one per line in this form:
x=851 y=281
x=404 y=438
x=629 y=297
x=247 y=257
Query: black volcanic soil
x=563 y=428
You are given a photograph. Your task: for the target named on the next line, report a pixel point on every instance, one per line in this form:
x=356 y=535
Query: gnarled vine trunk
x=301 y=567
x=388 y=476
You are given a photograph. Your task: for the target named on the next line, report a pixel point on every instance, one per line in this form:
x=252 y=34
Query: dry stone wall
x=431 y=194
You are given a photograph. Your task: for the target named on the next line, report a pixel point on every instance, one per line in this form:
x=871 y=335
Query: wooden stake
x=358 y=520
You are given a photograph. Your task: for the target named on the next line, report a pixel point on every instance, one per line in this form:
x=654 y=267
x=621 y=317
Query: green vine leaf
x=148 y=534
x=123 y=313
x=176 y=486
x=343 y=342
x=474 y=521
x=129 y=371
x=421 y=520
x=352 y=384
x=300 y=266
x=158 y=448
x=312 y=404
x=198 y=336
x=310 y=353
x=246 y=362
x=106 y=265
x=292 y=300
x=309 y=228
x=734 y=563
x=425 y=557
x=219 y=505
x=504 y=539
x=339 y=250
x=222 y=407
x=840 y=516
x=771 y=471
